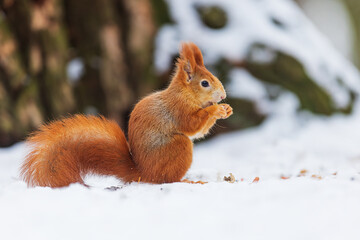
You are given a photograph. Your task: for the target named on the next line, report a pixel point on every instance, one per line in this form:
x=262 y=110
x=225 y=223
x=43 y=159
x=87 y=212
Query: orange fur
x=65 y=150
x=160 y=129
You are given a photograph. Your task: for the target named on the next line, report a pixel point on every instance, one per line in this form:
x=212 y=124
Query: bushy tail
x=65 y=150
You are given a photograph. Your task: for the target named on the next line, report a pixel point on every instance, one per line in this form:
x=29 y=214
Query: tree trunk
x=20 y=110
x=116 y=47
x=113 y=39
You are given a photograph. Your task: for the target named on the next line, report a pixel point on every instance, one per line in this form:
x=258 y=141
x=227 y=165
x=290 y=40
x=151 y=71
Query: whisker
x=220 y=126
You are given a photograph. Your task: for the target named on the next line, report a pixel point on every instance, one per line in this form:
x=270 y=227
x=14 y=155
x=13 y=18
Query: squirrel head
x=204 y=87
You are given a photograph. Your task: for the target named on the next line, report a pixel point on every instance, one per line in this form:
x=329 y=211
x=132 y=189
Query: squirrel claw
x=219 y=112
x=228 y=109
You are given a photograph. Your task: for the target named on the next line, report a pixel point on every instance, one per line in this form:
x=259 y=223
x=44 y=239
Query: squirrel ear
x=188 y=71
x=188 y=59
x=197 y=54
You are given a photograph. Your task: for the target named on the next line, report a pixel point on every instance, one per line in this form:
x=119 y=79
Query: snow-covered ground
x=301 y=207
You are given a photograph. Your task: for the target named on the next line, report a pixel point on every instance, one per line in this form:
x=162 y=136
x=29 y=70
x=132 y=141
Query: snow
x=243 y=85
x=75 y=70
x=332 y=19
x=251 y=22
x=302 y=207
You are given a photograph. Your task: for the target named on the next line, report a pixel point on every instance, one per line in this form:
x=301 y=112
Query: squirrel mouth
x=208 y=104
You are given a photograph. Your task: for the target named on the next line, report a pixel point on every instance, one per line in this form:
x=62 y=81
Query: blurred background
x=60 y=57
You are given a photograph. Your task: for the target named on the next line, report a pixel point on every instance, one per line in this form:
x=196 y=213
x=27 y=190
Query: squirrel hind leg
x=169 y=163
x=59 y=170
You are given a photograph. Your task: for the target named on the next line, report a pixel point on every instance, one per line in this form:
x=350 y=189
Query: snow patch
x=75 y=70
x=244 y=85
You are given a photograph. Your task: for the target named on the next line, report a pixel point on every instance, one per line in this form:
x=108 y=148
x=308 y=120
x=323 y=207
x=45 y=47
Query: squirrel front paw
x=217 y=111
x=228 y=109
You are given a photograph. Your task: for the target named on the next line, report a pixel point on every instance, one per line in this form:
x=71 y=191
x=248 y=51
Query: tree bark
x=33 y=60
x=19 y=105
x=38 y=38
x=98 y=42
x=116 y=47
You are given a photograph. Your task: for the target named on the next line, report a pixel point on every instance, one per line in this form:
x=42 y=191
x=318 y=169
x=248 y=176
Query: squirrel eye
x=204 y=83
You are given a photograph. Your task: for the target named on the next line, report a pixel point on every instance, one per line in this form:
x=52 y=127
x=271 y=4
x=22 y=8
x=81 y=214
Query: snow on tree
x=261 y=49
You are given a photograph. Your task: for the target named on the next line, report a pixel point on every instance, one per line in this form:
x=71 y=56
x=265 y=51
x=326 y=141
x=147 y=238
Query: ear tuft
x=187 y=55
x=190 y=52
x=197 y=54
x=191 y=57
x=188 y=61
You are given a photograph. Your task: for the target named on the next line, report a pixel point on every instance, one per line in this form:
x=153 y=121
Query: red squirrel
x=161 y=128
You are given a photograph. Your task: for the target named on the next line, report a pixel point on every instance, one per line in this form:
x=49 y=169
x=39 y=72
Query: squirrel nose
x=223 y=96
